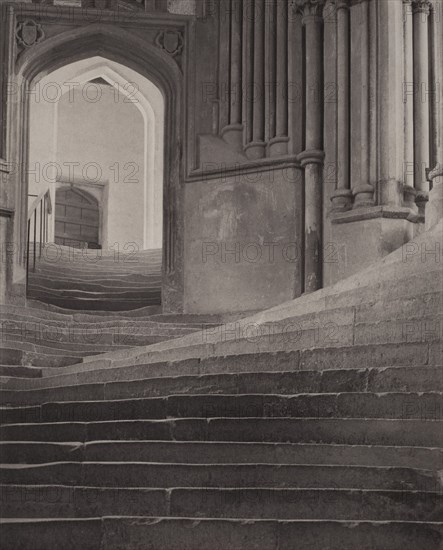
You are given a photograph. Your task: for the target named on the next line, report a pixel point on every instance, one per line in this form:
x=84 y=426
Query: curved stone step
x=28 y=452
x=283 y=476
x=426 y=406
x=422 y=433
x=378 y=380
x=100 y=303
x=217 y=534
x=108 y=368
x=58 y=501
x=17 y=371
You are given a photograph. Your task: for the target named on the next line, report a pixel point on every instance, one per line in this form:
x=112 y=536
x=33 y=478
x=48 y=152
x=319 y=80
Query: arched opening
x=155 y=68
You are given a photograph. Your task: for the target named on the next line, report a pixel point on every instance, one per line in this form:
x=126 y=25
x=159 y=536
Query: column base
x=341 y=200
x=360 y=238
x=255 y=150
x=421 y=200
x=363 y=196
x=434 y=208
x=233 y=135
x=278 y=146
x=409 y=196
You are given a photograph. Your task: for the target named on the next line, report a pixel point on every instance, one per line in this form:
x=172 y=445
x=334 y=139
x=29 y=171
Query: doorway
x=77 y=219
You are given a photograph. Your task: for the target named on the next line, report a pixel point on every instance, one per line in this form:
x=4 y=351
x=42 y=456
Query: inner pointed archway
x=104 y=97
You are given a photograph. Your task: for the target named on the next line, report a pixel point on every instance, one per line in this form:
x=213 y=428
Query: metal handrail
x=40 y=208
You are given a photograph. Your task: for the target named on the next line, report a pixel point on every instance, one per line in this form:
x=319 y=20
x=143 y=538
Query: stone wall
x=322 y=93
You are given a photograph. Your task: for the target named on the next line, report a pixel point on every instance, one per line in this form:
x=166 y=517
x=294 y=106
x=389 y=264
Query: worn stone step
x=405 y=379
x=427 y=406
x=138 y=474
x=217 y=534
x=25 y=320
x=37 y=281
x=17 y=371
x=187 y=361
x=73 y=349
x=221 y=453
x=27 y=354
x=50 y=311
x=104 y=294
x=99 y=304
x=422 y=433
x=83 y=343
x=58 y=501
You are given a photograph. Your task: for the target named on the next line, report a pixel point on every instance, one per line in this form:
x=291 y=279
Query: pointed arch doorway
x=149 y=62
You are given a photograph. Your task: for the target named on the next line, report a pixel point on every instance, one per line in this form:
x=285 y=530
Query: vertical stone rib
x=364 y=192
x=256 y=148
x=248 y=67
x=279 y=142
x=342 y=197
x=224 y=62
x=271 y=69
x=434 y=208
x=295 y=81
x=408 y=90
x=235 y=115
x=421 y=100
x=232 y=133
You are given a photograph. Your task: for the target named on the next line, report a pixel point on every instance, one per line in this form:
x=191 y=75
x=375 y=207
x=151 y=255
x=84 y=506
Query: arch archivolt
x=118 y=56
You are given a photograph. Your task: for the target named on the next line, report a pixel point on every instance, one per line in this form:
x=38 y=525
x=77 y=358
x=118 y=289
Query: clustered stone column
x=312 y=157
x=254 y=111
x=342 y=196
x=233 y=131
x=421 y=10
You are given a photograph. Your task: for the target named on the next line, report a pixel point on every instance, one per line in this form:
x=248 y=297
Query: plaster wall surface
x=108 y=139
x=105 y=138
x=242 y=241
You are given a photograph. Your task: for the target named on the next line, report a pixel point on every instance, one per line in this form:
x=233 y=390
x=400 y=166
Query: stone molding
x=374 y=212
x=312 y=156
x=171 y=41
x=436 y=172
x=28 y=33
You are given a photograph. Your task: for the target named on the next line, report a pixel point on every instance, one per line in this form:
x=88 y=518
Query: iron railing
x=38 y=227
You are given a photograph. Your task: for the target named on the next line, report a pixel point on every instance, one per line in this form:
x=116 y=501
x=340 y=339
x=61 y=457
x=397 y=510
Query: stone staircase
x=83 y=279
x=316 y=424
x=87 y=302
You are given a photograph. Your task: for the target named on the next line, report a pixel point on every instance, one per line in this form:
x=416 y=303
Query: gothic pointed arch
x=151 y=62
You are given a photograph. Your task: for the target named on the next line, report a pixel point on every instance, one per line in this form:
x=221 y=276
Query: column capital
x=309 y=8
x=421 y=6
x=342 y=4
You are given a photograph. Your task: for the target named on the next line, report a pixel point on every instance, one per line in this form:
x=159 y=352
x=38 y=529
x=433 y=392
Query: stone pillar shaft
x=233 y=132
x=342 y=196
x=421 y=98
x=235 y=115
x=312 y=158
x=256 y=148
x=363 y=191
x=282 y=69
x=409 y=104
